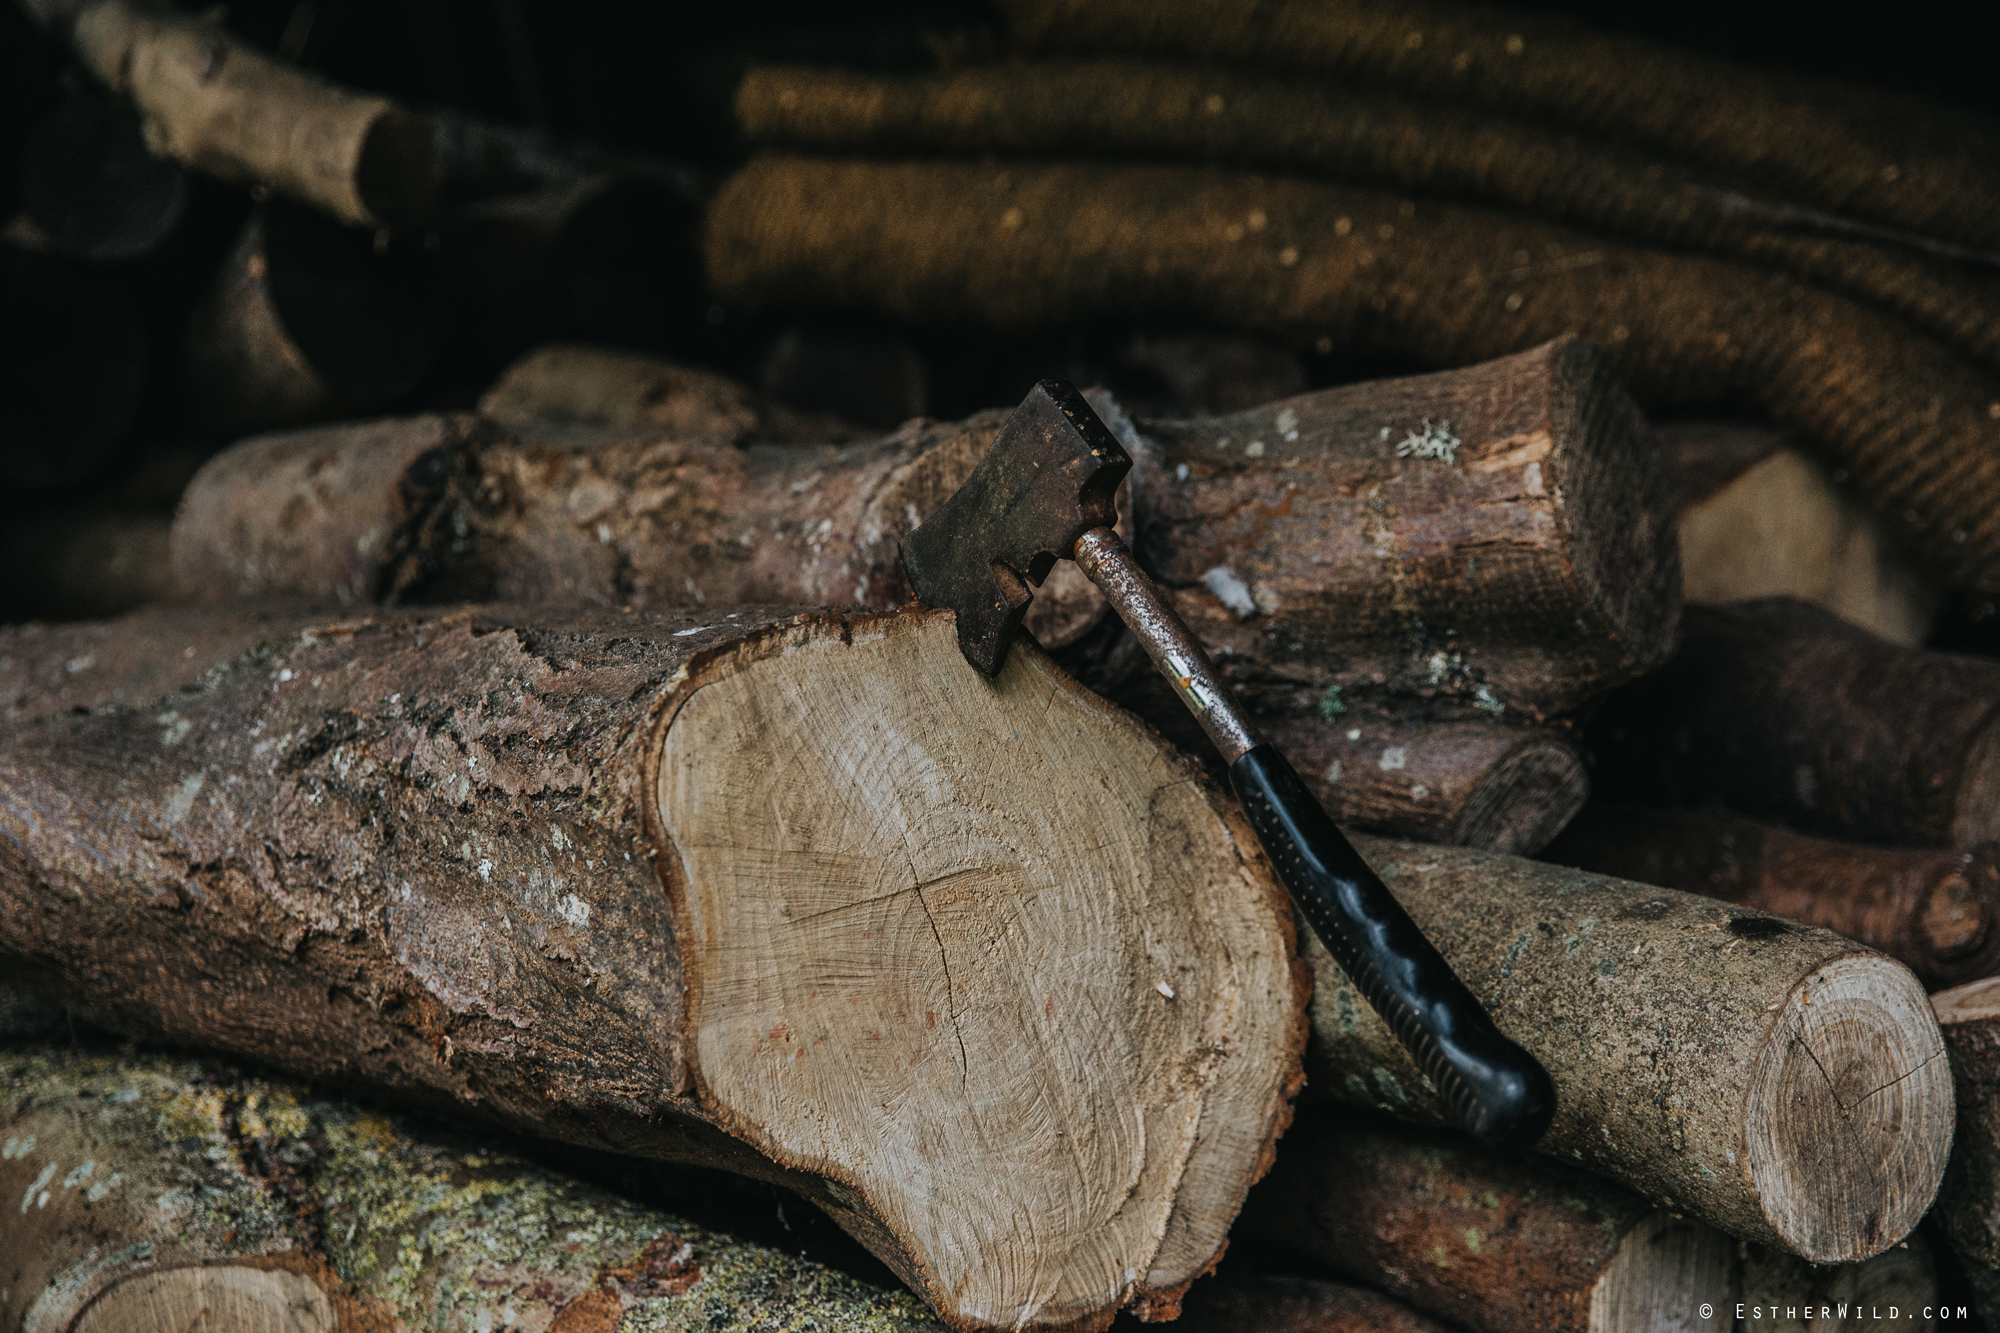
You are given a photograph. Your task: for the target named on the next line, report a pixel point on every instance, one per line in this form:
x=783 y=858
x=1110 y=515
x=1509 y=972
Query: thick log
x=580 y=385
x=226 y=109
x=1780 y=1293
x=1761 y=519
x=745 y=889
x=1935 y=911
x=308 y=319
x=1514 y=554
x=1270 y=1303
x=1968 y=1207
x=172 y=1194
x=1782 y=710
x=1777 y=1081
x=1490 y=1242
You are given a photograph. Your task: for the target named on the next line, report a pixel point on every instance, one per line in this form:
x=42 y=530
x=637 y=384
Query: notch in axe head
x=1044 y=492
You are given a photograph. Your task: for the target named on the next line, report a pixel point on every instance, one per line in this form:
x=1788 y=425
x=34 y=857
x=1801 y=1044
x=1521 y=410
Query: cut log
x=308 y=319
x=1779 y=1082
x=231 y=111
x=1522 y=559
x=980 y=967
x=1781 y=526
x=1781 y=1293
x=1934 y=910
x=93 y=188
x=173 y=1194
x=580 y=385
x=1490 y=1242
x=1784 y=711
x=1968 y=1207
x=1498 y=786
x=1269 y=1303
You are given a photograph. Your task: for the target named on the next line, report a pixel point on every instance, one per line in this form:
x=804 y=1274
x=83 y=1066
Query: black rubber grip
x=1500 y=1094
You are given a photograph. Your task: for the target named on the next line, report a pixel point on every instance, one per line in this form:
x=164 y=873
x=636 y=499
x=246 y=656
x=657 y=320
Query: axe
x=1045 y=492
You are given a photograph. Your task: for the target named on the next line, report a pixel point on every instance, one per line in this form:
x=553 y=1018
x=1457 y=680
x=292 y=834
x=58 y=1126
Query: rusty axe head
x=1051 y=476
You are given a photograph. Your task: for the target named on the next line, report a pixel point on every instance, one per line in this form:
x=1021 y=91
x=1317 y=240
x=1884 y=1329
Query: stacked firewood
x=559 y=772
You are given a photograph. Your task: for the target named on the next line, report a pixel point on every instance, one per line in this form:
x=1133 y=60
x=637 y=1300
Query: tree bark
x=1499 y=786
x=1490 y=1242
x=231 y=111
x=746 y=889
x=152 y=1187
x=1781 y=710
x=1777 y=1081
x=307 y=319
x=1969 y=1204
x=1531 y=571
x=1935 y=911
x=1780 y=526
x=1270 y=1303
x=580 y=385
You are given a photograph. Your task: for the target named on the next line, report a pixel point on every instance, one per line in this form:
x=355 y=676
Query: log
x=1783 y=711
x=162 y=1193
x=1495 y=785
x=1935 y=911
x=1491 y=1242
x=580 y=385
x=1309 y=543
x=92 y=187
x=1779 y=525
x=74 y=359
x=309 y=319
x=1271 y=1303
x=1777 y=1081
x=1968 y=1207
x=1779 y=1293
x=742 y=888
x=227 y=109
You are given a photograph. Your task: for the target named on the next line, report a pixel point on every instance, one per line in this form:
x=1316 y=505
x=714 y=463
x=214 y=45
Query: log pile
x=461 y=693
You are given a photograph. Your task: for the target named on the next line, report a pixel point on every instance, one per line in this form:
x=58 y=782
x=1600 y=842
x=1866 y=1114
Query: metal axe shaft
x=1498 y=1091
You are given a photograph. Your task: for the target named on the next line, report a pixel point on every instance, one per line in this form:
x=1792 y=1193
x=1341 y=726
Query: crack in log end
x=1839 y=1185
x=1050 y=864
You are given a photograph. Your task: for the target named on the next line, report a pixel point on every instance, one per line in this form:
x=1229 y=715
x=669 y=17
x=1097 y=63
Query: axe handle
x=1499 y=1092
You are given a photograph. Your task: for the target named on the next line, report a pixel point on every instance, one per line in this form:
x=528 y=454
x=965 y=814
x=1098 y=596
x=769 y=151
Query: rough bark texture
x=1780 y=1082
x=1969 y=1204
x=1274 y=1304
x=1783 y=527
x=1522 y=559
x=1488 y=1241
x=151 y=1188
x=229 y=110
x=806 y=898
x=575 y=384
x=1782 y=710
x=1935 y=911
x=1494 y=785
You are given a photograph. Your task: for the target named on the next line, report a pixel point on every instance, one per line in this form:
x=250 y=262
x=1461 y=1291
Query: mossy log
x=1777 y=1081
x=1782 y=710
x=227 y=109
x=154 y=1190
x=1934 y=910
x=982 y=968
x=1759 y=518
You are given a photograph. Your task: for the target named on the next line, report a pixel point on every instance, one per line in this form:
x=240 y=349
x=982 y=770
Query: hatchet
x=1046 y=492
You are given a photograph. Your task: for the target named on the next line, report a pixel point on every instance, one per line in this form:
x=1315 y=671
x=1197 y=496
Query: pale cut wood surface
x=1778 y=1081
x=424 y=852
